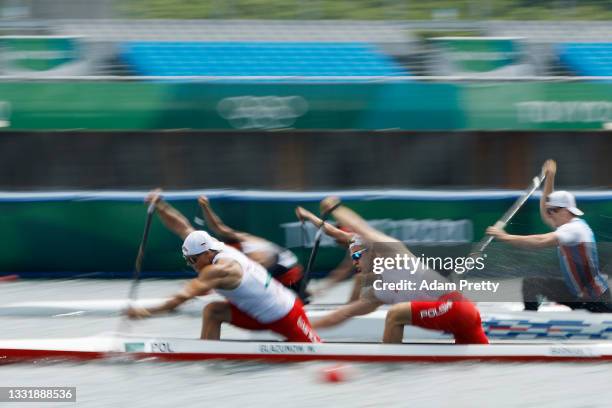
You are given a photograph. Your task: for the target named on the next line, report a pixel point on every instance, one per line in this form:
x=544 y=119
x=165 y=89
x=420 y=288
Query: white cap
x=200 y=241
x=563 y=199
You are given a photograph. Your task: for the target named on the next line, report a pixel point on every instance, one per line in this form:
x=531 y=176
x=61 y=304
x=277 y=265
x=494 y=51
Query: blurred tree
x=370 y=9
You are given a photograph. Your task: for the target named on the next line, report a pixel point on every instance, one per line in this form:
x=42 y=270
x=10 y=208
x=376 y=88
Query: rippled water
x=225 y=384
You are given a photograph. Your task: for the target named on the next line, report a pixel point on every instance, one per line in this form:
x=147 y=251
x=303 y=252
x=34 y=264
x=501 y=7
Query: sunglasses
x=553 y=210
x=355 y=256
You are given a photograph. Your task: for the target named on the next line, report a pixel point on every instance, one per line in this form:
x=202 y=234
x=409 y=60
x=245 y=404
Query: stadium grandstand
x=353 y=50
x=327 y=48
x=324 y=38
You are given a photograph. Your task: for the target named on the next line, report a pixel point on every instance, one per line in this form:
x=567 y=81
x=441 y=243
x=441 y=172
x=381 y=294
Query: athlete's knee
x=399 y=314
x=216 y=311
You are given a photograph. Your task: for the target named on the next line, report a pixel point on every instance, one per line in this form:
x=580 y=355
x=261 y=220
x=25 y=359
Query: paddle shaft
x=315 y=249
x=505 y=219
x=141 y=251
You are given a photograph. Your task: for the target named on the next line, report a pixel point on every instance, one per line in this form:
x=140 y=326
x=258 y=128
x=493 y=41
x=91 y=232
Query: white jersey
x=258 y=295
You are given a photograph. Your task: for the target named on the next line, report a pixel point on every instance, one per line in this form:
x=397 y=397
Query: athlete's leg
x=295 y=326
x=469 y=330
x=398 y=316
x=531 y=289
x=451 y=313
x=551 y=288
x=603 y=304
x=215 y=314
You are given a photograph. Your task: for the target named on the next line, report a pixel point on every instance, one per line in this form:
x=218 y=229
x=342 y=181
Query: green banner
x=538 y=105
x=464 y=55
x=37 y=54
x=189 y=105
x=368 y=106
x=97 y=234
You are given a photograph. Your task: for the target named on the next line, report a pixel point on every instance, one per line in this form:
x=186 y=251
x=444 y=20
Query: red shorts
x=451 y=313
x=292 y=276
x=295 y=326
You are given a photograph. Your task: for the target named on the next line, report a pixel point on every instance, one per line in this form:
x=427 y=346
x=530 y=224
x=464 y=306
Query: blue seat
x=587 y=59
x=258 y=59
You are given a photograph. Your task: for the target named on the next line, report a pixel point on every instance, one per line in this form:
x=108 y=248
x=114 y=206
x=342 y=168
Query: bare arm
x=351 y=219
x=208 y=278
x=169 y=305
x=550 y=169
x=216 y=224
x=342 y=237
x=524 y=241
x=359 y=307
x=193 y=288
x=170 y=216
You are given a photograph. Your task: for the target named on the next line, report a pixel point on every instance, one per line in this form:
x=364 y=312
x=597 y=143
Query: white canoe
x=500 y=320
x=127 y=348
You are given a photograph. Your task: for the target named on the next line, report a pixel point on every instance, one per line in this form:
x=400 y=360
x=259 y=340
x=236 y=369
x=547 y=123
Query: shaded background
x=299 y=160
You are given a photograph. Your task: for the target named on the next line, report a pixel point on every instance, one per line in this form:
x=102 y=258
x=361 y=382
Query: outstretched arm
x=170 y=216
x=351 y=219
x=216 y=224
x=202 y=285
x=168 y=306
x=550 y=169
x=524 y=241
x=342 y=237
x=359 y=307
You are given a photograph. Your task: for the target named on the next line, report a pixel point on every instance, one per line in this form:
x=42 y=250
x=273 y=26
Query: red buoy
x=335 y=374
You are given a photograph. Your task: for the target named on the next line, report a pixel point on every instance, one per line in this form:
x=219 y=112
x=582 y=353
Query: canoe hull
x=130 y=348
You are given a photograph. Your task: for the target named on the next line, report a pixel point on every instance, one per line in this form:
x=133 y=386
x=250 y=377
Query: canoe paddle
x=132 y=294
x=505 y=219
x=315 y=249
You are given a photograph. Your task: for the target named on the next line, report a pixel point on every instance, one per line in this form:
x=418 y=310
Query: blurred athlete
x=282 y=264
x=430 y=309
x=255 y=301
x=583 y=285
x=345 y=268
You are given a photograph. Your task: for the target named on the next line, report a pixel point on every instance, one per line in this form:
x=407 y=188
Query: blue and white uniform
x=579 y=260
